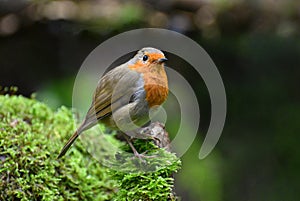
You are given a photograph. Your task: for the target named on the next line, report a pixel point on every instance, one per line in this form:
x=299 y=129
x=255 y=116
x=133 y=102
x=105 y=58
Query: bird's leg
x=131 y=145
x=135 y=152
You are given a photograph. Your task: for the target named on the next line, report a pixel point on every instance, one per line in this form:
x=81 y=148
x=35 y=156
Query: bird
x=125 y=95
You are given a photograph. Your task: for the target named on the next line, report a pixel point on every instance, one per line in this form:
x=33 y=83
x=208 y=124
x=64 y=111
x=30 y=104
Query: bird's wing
x=113 y=91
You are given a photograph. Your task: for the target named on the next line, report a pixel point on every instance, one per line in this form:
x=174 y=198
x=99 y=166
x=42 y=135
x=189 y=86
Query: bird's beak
x=162 y=60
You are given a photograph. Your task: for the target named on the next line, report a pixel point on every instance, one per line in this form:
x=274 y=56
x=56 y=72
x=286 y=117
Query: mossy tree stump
x=31 y=135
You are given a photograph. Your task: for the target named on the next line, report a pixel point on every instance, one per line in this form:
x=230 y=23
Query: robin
x=125 y=95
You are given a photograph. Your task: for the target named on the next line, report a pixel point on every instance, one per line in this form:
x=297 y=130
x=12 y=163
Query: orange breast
x=155 y=82
x=156 y=94
x=156 y=87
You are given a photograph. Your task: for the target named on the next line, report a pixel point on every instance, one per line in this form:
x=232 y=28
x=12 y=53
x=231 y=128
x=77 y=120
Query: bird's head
x=148 y=57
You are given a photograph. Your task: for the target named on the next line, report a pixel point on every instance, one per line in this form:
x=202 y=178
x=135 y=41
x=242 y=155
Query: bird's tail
x=89 y=121
x=68 y=145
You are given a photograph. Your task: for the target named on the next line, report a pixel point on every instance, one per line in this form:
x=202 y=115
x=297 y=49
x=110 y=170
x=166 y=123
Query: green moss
x=151 y=179
x=31 y=135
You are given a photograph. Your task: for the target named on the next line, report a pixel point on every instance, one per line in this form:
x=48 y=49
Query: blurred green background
x=255 y=45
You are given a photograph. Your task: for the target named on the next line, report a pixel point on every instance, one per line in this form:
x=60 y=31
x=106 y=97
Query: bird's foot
x=141 y=156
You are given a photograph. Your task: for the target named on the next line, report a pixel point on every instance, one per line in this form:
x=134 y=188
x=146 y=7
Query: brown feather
x=68 y=144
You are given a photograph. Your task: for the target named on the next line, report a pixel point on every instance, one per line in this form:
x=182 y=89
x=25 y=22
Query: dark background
x=254 y=44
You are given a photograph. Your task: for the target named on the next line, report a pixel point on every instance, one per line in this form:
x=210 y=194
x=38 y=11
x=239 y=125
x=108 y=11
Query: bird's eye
x=145 y=57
